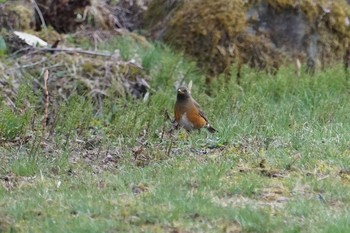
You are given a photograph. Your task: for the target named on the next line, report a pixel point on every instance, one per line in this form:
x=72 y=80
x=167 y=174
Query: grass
x=279 y=162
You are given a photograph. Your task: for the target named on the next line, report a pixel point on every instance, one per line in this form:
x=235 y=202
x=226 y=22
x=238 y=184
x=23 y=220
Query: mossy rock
x=210 y=31
x=159 y=11
x=263 y=33
x=12 y=42
x=16 y=15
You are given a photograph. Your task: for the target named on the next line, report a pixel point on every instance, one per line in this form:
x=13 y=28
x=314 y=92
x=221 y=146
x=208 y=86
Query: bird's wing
x=201 y=113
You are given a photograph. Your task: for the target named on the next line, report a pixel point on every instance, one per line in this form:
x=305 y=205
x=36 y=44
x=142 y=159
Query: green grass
x=274 y=165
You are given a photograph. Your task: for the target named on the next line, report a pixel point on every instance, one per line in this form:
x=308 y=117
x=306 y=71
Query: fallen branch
x=41 y=17
x=73 y=50
x=47 y=99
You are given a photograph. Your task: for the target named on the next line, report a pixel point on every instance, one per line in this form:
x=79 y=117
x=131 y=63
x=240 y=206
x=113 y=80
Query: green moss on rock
x=262 y=33
x=206 y=30
x=16 y=15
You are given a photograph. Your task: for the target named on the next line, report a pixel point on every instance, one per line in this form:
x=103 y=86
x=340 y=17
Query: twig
x=34 y=64
x=47 y=99
x=190 y=86
x=40 y=15
x=323 y=178
x=289 y=166
x=26 y=49
x=170 y=145
x=166 y=118
x=73 y=50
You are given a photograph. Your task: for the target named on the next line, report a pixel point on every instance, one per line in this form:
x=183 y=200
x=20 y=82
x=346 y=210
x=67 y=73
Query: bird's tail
x=210 y=128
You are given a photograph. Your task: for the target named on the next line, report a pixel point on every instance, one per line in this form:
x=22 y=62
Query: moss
x=206 y=30
x=159 y=10
x=219 y=33
x=25 y=14
x=329 y=19
x=16 y=15
x=335 y=19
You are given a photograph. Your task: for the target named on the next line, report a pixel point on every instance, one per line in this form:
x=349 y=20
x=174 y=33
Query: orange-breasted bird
x=188 y=113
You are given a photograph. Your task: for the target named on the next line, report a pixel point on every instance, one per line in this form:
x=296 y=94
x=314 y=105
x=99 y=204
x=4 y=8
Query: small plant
x=13 y=122
x=11 y=125
x=3 y=47
x=25 y=166
x=75 y=115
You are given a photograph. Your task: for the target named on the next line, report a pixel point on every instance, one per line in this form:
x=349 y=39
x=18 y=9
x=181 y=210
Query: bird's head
x=183 y=93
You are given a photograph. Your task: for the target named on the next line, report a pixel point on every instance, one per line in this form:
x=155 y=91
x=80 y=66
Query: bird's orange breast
x=192 y=114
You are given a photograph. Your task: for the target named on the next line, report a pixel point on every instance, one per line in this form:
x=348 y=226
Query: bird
x=188 y=113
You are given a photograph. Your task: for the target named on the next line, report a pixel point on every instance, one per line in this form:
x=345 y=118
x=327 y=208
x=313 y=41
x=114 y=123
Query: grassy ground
x=279 y=163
